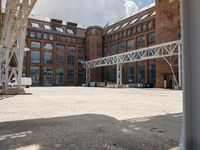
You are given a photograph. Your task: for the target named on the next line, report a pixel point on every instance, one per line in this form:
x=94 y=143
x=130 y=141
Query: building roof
x=131 y=20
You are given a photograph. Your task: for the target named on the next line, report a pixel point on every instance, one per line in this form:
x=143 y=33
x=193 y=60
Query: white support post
x=119 y=75
x=180 y=66
x=88 y=76
x=191 y=74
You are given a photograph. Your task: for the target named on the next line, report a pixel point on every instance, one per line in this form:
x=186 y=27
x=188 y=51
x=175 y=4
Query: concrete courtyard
x=78 y=118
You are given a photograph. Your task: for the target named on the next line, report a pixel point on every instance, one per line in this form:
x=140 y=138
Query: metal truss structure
x=13 y=39
x=166 y=51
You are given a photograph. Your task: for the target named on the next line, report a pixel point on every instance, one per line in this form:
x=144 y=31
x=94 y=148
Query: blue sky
x=85 y=12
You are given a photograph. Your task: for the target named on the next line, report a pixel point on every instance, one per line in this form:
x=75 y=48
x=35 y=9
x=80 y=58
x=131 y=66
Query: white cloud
x=86 y=12
x=131 y=7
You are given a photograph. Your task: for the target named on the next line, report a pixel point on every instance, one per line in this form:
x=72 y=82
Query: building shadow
x=88 y=132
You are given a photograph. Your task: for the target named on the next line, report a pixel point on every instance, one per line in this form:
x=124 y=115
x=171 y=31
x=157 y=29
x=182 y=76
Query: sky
x=87 y=12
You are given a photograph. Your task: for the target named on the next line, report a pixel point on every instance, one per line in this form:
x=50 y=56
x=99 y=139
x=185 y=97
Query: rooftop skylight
x=47 y=27
x=109 y=30
x=144 y=17
x=59 y=29
x=124 y=25
x=132 y=22
x=153 y=13
x=35 y=25
x=117 y=28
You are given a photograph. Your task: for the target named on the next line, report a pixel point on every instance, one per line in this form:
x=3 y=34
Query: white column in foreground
x=191 y=73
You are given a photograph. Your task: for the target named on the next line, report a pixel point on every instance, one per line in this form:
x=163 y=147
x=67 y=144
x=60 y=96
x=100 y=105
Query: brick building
x=57 y=47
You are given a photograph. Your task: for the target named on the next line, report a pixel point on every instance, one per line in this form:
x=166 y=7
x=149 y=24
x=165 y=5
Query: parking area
x=91 y=118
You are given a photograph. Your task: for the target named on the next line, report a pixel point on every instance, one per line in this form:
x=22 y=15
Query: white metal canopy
x=158 y=51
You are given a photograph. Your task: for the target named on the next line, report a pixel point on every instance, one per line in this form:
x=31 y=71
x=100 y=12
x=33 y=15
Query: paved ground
x=91 y=119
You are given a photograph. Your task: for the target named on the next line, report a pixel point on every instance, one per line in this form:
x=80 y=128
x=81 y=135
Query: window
x=71 y=60
x=152 y=74
x=139 y=29
x=131 y=73
x=48 y=46
x=113 y=75
x=121 y=45
x=80 y=41
x=70 y=31
x=119 y=35
x=45 y=36
x=59 y=29
x=35 y=75
x=24 y=72
x=48 y=57
x=35 y=45
x=124 y=34
x=144 y=27
x=71 y=49
x=51 y=37
x=131 y=44
x=150 y=24
x=39 y=35
x=105 y=52
x=152 y=37
x=140 y=41
x=60 y=59
x=35 y=57
x=60 y=76
x=47 y=27
x=113 y=49
x=63 y=38
x=25 y=56
x=113 y=37
x=32 y=34
x=35 y=25
x=129 y=32
x=81 y=52
x=71 y=77
x=141 y=74
x=105 y=74
x=60 y=47
x=58 y=37
x=81 y=76
x=47 y=81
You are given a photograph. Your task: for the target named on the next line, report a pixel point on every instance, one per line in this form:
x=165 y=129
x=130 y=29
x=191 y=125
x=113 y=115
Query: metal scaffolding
x=164 y=51
x=13 y=39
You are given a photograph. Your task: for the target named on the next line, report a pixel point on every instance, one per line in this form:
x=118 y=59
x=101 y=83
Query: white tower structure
x=13 y=39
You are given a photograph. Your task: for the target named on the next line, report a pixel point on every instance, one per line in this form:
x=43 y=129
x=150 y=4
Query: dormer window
x=117 y=28
x=47 y=27
x=69 y=31
x=58 y=29
x=35 y=25
x=124 y=25
x=133 y=21
x=144 y=17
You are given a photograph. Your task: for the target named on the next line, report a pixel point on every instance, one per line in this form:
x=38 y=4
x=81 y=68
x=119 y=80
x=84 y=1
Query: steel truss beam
x=165 y=51
x=13 y=39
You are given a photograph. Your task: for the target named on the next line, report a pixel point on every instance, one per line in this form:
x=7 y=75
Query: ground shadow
x=84 y=132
